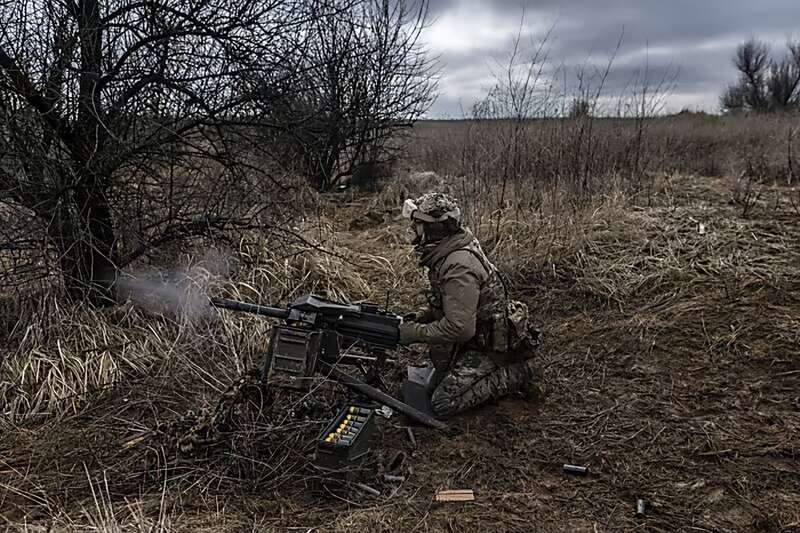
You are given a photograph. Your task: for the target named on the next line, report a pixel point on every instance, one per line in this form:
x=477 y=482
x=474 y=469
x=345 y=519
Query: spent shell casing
x=640 y=507
x=575 y=470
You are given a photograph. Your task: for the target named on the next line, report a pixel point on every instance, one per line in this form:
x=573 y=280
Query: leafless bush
x=365 y=79
x=521 y=141
x=124 y=125
x=579 y=107
x=746 y=189
x=686 y=143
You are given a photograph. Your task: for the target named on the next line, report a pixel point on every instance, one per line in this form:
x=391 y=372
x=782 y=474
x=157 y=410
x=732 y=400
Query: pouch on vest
x=499 y=333
x=521 y=332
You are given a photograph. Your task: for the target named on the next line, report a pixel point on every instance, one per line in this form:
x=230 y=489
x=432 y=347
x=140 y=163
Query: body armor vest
x=491 y=329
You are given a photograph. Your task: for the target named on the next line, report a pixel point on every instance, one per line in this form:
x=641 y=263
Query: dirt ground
x=670 y=370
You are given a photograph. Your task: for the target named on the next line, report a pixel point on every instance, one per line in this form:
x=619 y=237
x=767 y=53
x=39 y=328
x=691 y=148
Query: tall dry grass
x=584 y=154
x=56 y=362
x=531 y=218
x=659 y=253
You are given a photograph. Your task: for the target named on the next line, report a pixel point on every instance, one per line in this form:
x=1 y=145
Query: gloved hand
x=421 y=316
x=409 y=332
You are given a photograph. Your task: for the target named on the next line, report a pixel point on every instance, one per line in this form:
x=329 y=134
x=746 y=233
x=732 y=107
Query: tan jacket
x=466 y=292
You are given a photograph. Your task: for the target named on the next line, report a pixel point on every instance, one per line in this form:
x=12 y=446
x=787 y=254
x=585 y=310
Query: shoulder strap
x=488 y=267
x=481 y=259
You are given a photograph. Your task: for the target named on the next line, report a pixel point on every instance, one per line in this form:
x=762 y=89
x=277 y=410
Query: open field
x=670 y=369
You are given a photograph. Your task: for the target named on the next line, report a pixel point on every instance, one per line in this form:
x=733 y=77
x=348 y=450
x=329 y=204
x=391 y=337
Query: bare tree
x=115 y=122
x=783 y=84
x=522 y=91
x=764 y=84
x=752 y=61
x=366 y=79
x=544 y=138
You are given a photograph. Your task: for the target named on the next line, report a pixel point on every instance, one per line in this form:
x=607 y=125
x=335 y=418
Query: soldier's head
x=433 y=217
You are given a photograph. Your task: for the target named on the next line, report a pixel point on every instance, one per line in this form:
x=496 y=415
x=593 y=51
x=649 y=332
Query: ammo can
x=345 y=439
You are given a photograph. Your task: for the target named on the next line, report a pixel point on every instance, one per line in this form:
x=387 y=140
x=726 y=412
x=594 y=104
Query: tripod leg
x=381 y=397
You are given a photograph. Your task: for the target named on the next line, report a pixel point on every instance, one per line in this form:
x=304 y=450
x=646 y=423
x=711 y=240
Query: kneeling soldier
x=480 y=341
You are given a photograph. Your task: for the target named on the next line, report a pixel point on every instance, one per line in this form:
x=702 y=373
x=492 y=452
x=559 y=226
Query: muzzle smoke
x=182 y=294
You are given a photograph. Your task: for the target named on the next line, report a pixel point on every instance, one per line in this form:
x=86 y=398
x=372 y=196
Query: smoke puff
x=181 y=293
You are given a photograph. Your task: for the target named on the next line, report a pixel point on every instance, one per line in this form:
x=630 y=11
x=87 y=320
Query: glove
x=409 y=333
x=421 y=316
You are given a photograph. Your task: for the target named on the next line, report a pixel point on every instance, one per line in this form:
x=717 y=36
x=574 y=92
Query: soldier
x=480 y=342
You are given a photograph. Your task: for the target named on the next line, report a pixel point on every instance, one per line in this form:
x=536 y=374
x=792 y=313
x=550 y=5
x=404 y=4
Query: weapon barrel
x=234 y=305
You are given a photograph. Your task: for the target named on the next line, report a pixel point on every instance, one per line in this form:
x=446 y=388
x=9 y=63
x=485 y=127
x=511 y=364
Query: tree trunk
x=85 y=238
x=86 y=231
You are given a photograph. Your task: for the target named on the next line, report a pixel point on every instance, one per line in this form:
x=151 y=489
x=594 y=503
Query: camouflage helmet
x=432 y=207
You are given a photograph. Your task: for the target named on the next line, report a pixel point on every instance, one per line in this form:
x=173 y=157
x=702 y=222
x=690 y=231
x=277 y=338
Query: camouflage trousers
x=475 y=379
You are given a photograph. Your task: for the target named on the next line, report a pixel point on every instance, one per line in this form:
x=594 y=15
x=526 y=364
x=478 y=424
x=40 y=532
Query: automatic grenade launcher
x=317 y=335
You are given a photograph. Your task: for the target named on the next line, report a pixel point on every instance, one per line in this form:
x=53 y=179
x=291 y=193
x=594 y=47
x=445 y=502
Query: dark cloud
x=697 y=37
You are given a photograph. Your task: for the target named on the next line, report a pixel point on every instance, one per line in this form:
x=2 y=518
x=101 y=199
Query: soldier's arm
x=460 y=293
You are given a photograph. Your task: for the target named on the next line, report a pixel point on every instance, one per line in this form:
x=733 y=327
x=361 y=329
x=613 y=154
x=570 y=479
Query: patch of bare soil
x=670 y=370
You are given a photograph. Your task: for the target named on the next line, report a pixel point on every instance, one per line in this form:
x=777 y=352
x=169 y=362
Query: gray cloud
x=695 y=37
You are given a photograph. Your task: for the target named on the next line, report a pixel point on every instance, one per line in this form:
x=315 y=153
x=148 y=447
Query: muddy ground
x=670 y=370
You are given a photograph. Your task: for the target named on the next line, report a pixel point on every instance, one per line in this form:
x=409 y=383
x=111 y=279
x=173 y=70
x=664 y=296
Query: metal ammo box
x=346 y=438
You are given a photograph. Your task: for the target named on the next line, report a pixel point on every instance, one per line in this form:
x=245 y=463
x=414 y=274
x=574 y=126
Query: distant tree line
x=765 y=84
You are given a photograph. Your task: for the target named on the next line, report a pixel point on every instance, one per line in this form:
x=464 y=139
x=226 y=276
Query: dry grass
x=594 y=156
x=670 y=366
x=60 y=360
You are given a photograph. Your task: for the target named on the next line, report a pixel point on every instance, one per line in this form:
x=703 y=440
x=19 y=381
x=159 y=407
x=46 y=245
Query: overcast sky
x=695 y=37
